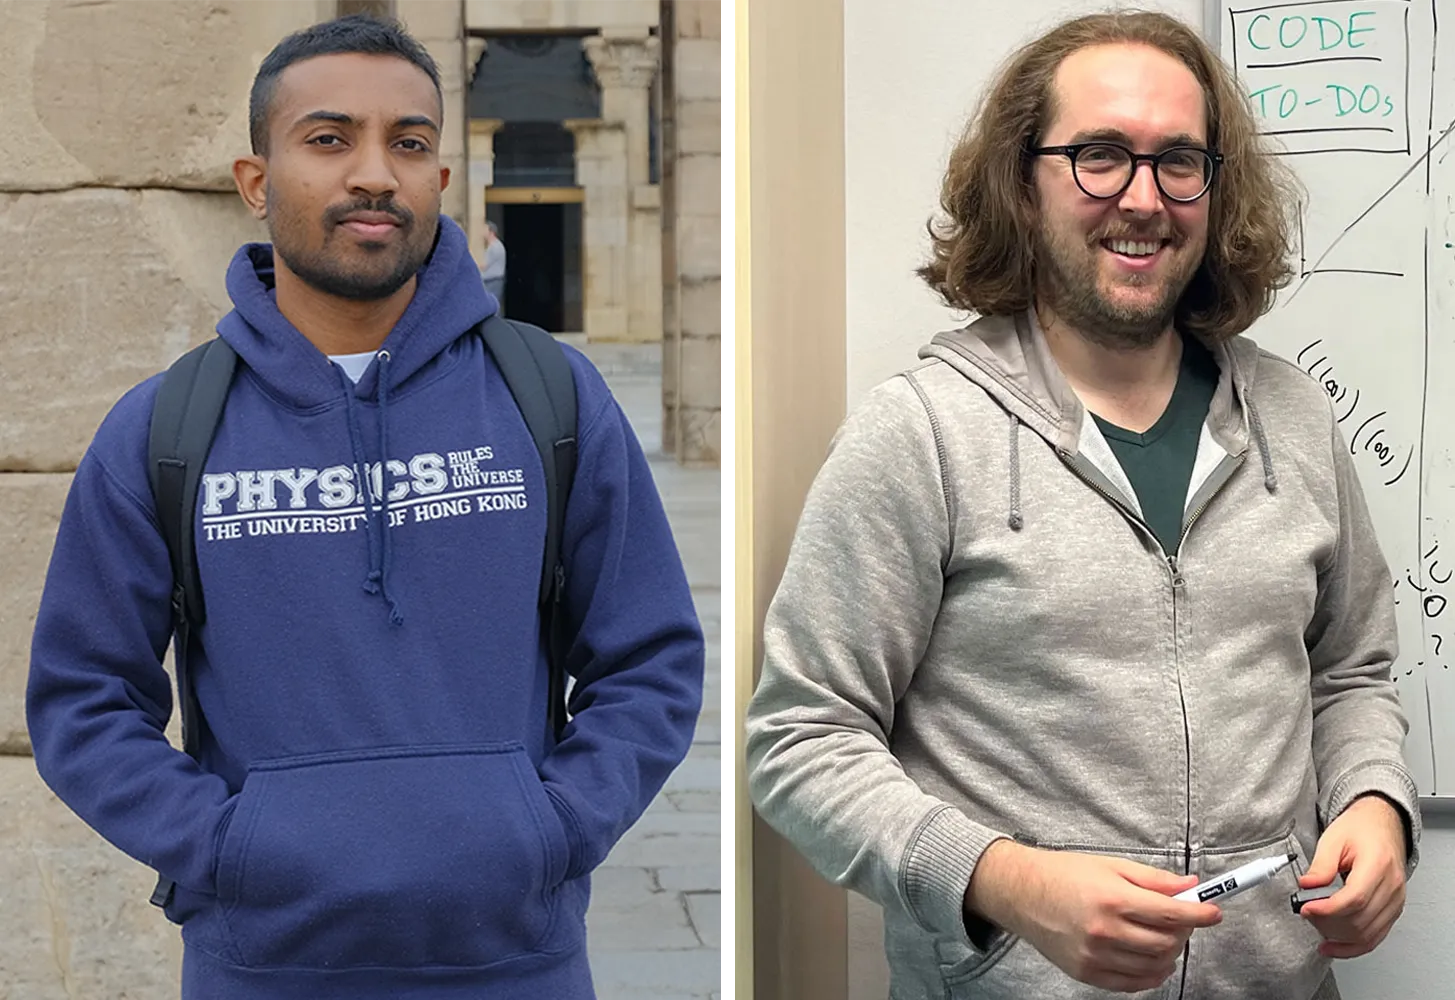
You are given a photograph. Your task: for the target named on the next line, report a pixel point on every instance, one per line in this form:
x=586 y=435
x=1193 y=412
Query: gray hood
x=1008 y=357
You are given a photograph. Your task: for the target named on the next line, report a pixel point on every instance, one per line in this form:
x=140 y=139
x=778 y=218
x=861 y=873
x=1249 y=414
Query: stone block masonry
x=99 y=289
x=30 y=510
x=118 y=216
x=133 y=93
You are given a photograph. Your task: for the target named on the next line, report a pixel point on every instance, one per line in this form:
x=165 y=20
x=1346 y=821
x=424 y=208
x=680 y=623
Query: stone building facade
x=641 y=175
x=117 y=219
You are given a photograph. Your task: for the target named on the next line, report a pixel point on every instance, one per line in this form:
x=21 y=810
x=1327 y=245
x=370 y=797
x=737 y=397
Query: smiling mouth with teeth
x=1133 y=248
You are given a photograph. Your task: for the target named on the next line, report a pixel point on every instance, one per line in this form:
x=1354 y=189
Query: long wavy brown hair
x=984 y=244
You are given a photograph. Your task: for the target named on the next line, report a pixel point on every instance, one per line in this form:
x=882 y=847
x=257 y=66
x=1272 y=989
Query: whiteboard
x=1359 y=97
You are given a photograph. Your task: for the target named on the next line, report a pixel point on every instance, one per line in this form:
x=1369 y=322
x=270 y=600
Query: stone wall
x=117 y=219
x=692 y=346
x=549 y=15
x=439 y=26
x=652 y=256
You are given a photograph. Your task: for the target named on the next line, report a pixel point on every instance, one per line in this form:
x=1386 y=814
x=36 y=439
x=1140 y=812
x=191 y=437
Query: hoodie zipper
x=1178 y=582
x=1071 y=462
x=1214 y=485
x=1220 y=476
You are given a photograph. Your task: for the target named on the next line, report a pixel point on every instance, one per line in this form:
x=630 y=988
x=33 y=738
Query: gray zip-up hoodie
x=976 y=637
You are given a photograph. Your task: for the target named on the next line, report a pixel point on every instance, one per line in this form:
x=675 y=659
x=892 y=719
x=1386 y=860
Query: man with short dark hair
x=1116 y=622
x=379 y=804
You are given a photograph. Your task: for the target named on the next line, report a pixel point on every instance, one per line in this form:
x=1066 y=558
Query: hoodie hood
x=449 y=300
x=1009 y=358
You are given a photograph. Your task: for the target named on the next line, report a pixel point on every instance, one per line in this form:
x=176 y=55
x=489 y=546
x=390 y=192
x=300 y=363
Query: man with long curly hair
x=1118 y=622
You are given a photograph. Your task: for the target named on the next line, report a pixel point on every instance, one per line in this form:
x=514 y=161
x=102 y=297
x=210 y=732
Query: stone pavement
x=654 y=923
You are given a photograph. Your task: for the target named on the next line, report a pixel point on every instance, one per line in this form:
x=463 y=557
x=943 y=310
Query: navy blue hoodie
x=380 y=809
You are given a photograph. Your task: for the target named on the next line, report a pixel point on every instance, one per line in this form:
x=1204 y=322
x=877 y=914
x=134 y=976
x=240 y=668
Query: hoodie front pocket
x=440 y=856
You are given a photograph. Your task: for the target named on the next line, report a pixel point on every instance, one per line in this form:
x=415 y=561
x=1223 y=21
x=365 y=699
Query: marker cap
x=1298 y=899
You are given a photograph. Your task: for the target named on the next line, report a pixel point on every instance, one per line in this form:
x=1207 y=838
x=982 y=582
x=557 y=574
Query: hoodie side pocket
x=1260 y=940
x=960 y=965
x=436 y=856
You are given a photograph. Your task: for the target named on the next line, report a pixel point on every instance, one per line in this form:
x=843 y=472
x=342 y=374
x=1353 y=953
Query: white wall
x=913 y=71
x=1414 y=960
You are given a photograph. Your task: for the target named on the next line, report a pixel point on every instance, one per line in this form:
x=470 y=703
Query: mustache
x=336 y=214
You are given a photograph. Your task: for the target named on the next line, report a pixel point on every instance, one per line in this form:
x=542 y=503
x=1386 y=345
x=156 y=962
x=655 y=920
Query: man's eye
x=324 y=140
x=415 y=145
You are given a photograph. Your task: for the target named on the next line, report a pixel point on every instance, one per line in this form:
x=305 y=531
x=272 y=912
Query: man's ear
x=250 y=174
x=444 y=177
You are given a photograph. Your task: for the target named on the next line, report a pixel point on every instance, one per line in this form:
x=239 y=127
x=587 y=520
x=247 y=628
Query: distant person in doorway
x=1086 y=606
x=493 y=273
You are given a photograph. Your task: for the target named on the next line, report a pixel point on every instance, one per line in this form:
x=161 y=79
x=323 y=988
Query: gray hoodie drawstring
x=1015 y=521
x=1270 y=480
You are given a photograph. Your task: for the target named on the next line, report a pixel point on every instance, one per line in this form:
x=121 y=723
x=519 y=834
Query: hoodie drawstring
x=1015 y=521
x=1270 y=481
x=378 y=533
x=396 y=617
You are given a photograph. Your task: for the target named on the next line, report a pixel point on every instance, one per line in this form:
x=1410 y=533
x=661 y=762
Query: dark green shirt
x=1159 y=461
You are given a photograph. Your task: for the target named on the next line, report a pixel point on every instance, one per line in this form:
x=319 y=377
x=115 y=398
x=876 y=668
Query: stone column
x=482 y=175
x=477 y=178
x=671 y=281
x=645 y=237
x=625 y=63
x=438 y=26
x=693 y=409
x=601 y=172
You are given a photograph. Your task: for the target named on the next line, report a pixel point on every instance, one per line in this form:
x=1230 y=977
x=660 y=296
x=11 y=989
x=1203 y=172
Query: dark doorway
x=543 y=263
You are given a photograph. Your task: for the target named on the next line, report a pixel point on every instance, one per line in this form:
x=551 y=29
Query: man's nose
x=372 y=171
x=1142 y=197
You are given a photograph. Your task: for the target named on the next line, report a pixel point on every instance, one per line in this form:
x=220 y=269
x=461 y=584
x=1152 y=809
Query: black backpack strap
x=540 y=378
x=185 y=414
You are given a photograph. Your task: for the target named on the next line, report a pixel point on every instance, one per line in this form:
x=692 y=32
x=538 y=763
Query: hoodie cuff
x=936 y=871
x=1392 y=782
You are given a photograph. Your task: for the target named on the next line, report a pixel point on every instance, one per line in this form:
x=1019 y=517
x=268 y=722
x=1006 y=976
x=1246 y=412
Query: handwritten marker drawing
x=1370 y=436
x=1344 y=90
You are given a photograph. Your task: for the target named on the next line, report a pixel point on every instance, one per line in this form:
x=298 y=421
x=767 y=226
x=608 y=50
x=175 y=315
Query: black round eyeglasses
x=1105 y=169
